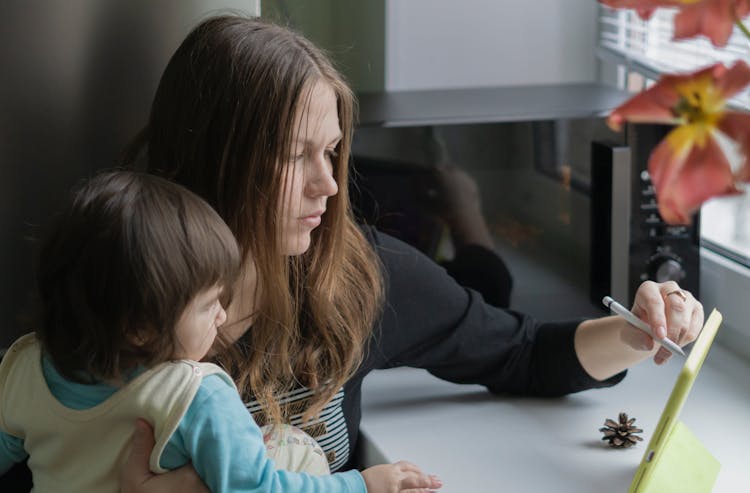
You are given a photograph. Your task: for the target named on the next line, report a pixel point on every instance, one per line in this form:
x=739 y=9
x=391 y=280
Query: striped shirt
x=329 y=428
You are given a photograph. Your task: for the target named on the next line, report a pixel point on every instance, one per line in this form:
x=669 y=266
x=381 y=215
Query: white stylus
x=637 y=322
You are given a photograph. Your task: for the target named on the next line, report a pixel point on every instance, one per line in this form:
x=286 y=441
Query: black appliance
x=630 y=243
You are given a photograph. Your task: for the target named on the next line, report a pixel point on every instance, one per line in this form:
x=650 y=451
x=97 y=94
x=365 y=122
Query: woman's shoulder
x=386 y=245
x=369 y=232
x=414 y=282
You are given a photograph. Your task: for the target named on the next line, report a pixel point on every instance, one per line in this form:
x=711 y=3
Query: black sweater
x=431 y=322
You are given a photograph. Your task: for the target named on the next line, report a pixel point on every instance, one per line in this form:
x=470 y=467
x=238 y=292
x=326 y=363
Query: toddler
x=131 y=284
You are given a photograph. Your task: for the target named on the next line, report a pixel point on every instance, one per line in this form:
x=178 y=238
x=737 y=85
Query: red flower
x=688 y=167
x=714 y=19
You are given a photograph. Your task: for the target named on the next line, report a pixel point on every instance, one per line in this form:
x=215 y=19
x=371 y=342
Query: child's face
x=196 y=328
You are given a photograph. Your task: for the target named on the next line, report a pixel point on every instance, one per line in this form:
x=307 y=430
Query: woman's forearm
x=602 y=350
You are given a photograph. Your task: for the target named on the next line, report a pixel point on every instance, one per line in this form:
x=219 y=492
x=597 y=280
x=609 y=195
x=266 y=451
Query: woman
x=256 y=120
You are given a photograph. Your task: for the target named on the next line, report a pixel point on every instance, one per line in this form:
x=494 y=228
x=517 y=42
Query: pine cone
x=621 y=434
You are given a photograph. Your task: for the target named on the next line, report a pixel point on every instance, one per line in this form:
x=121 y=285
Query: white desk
x=475 y=441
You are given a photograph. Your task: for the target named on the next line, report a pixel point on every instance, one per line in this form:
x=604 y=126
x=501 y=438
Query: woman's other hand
x=669 y=311
x=136 y=477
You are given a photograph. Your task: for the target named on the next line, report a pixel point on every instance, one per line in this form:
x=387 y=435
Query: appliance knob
x=662 y=269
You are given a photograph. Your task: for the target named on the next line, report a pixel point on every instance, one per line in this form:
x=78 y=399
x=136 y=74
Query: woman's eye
x=297 y=156
x=332 y=154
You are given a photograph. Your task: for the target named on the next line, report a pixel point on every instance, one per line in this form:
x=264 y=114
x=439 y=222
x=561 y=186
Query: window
x=641 y=51
x=646 y=47
x=634 y=53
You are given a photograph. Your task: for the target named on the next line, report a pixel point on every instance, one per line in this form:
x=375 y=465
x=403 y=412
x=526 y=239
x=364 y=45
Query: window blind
x=647 y=46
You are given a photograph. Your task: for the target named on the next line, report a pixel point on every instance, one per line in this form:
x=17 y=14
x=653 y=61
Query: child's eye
x=213 y=306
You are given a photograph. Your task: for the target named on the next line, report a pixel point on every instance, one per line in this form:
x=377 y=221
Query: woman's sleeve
x=483 y=270
x=226 y=448
x=429 y=321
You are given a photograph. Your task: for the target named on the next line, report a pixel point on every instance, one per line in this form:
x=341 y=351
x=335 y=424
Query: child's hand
x=401 y=477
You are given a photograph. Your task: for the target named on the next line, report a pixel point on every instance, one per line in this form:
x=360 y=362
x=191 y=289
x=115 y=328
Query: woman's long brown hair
x=222 y=122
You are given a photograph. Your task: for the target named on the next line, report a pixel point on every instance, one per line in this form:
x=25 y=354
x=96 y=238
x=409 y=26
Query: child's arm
x=11 y=451
x=226 y=448
x=136 y=477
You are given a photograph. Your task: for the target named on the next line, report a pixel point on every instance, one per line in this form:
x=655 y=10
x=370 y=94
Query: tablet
x=675 y=459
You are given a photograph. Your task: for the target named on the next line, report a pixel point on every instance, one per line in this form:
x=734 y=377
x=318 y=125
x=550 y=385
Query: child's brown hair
x=119 y=268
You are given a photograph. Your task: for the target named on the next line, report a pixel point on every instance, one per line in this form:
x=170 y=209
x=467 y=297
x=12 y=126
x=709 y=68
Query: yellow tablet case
x=675 y=460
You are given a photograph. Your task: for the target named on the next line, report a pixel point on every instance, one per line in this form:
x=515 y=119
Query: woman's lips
x=312 y=220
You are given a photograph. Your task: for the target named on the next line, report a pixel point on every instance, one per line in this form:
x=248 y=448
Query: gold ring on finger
x=678 y=292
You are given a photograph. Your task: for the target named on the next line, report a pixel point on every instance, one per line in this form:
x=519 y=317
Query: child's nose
x=221 y=316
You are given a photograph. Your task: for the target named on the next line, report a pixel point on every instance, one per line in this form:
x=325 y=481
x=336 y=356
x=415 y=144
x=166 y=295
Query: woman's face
x=308 y=171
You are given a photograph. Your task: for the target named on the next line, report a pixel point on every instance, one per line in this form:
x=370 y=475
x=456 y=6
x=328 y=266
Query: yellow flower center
x=699 y=110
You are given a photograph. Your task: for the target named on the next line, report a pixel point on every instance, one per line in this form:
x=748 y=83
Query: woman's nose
x=320 y=182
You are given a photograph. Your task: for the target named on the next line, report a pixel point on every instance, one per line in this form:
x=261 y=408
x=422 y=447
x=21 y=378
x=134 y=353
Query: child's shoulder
x=213 y=377
x=22 y=345
x=216 y=386
x=179 y=385
x=23 y=342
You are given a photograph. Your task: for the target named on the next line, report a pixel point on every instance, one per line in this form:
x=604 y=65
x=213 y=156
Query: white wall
x=472 y=43
x=426 y=44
